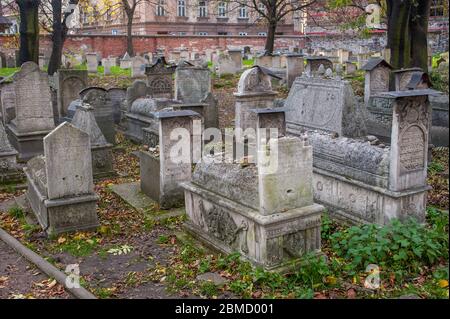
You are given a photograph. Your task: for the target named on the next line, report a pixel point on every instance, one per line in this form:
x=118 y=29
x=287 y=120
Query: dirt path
x=20 y=279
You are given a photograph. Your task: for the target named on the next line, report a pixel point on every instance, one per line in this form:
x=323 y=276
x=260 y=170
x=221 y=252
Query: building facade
x=184 y=17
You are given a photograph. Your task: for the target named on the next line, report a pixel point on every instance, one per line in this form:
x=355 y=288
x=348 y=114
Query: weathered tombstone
x=2 y=60
x=343 y=55
x=313 y=63
x=403 y=76
x=117 y=98
x=294 y=67
x=174 y=56
x=138 y=89
x=125 y=62
x=98 y=98
x=9 y=170
x=159 y=79
x=29 y=97
x=162 y=173
x=376 y=77
x=192 y=84
x=92 y=62
x=60 y=185
x=254 y=92
x=69 y=84
x=266 y=214
x=138 y=64
x=236 y=56
x=327 y=105
x=264 y=61
x=10 y=61
x=350 y=68
x=226 y=65
x=84 y=119
x=106 y=63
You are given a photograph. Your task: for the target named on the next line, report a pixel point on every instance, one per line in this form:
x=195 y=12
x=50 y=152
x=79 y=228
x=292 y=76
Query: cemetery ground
x=136 y=254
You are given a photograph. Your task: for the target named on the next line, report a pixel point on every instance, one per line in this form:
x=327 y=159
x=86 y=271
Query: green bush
x=397 y=246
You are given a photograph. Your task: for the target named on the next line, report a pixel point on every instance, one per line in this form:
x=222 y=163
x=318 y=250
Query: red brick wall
x=115 y=45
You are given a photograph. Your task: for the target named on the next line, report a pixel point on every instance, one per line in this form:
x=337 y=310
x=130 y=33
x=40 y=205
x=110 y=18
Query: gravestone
x=84 y=119
x=350 y=68
x=98 y=98
x=294 y=67
x=69 y=84
x=29 y=96
x=117 y=97
x=60 y=184
x=402 y=77
x=159 y=79
x=226 y=65
x=328 y=105
x=264 y=61
x=138 y=64
x=314 y=62
x=92 y=62
x=192 y=84
x=138 y=89
x=377 y=72
x=2 y=60
x=161 y=173
x=254 y=92
x=236 y=56
x=125 y=62
x=9 y=170
x=107 y=64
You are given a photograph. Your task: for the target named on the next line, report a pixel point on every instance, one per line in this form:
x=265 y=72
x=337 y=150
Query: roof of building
x=417 y=78
x=374 y=62
x=408 y=70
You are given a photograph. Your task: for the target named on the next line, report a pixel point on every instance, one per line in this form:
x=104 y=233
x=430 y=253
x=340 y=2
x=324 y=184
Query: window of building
x=160 y=8
x=202 y=33
x=437 y=8
x=222 y=33
x=181 y=9
x=261 y=8
x=243 y=12
x=243 y=34
x=222 y=10
x=202 y=9
x=262 y=34
x=182 y=33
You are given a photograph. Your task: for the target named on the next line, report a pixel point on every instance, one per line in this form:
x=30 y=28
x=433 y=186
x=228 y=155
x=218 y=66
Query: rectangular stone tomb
x=60 y=184
x=360 y=182
x=161 y=174
x=265 y=211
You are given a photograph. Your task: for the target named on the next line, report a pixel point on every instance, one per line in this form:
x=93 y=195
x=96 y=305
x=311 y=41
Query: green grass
x=249 y=63
x=115 y=70
x=5 y=72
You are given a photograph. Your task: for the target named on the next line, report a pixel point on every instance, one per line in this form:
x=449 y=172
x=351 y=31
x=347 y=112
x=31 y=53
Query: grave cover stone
x=69 y=84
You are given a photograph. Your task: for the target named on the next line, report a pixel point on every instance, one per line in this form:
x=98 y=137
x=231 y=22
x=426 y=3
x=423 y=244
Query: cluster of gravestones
x=268 y=209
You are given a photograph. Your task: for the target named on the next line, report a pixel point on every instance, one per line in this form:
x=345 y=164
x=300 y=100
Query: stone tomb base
x=28 y=145
x=355 y=202
x=131 y=193
x=62 y=215
x=274 y=242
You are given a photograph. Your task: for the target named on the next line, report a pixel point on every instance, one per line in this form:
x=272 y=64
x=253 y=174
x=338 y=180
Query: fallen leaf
x=443 y=283
x=61 y=240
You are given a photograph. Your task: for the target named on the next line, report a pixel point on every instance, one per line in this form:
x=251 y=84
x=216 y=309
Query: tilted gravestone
x=60 y=183
x=69 y=84
x=98 y=98
x=117 y=97
x=328 y=105
x=9 y=171
x=84 y=119
x=29 y=96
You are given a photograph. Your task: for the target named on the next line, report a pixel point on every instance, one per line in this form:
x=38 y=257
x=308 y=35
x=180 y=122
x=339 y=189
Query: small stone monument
x=403 y=77
x=69 y=84
x=294 y=67
x=9 y=170
x=313 y=64
x=159 y=79
x=125 y=62
x=60 y=184
x=84 y=119
x=350 y=68
x=138 y=64
x=376 y=77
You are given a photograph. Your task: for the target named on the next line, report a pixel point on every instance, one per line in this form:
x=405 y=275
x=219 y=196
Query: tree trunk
x=408 y=33
x=419 y=32
x=130 y=49
x=399 y=42
x=270 y=40
x=29 y=31
x=57 y=38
